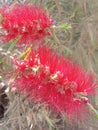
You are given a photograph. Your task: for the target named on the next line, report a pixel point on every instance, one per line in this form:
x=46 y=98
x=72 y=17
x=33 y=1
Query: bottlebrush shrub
x=27 y=21
x=48 y=78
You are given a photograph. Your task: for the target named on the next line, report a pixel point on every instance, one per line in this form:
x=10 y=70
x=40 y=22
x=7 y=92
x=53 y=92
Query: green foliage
x=65 y=26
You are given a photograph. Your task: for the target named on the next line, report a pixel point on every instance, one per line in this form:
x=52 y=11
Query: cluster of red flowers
x=46 y=77
x=27 y=21
x=42 y=74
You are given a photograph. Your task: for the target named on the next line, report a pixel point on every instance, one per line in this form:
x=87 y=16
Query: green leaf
x=65 y=26
x=93 y=109
x=2 y=60
x=10 y=45
x=13 y=42
x=0 y=18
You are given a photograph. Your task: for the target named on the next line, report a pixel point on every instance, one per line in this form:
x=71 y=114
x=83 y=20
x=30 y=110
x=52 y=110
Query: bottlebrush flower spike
x=27 y=21
x=46 y=77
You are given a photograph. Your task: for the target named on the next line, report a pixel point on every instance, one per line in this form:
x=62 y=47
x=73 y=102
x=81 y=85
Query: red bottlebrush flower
x=27 y=21
x=46 y=77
